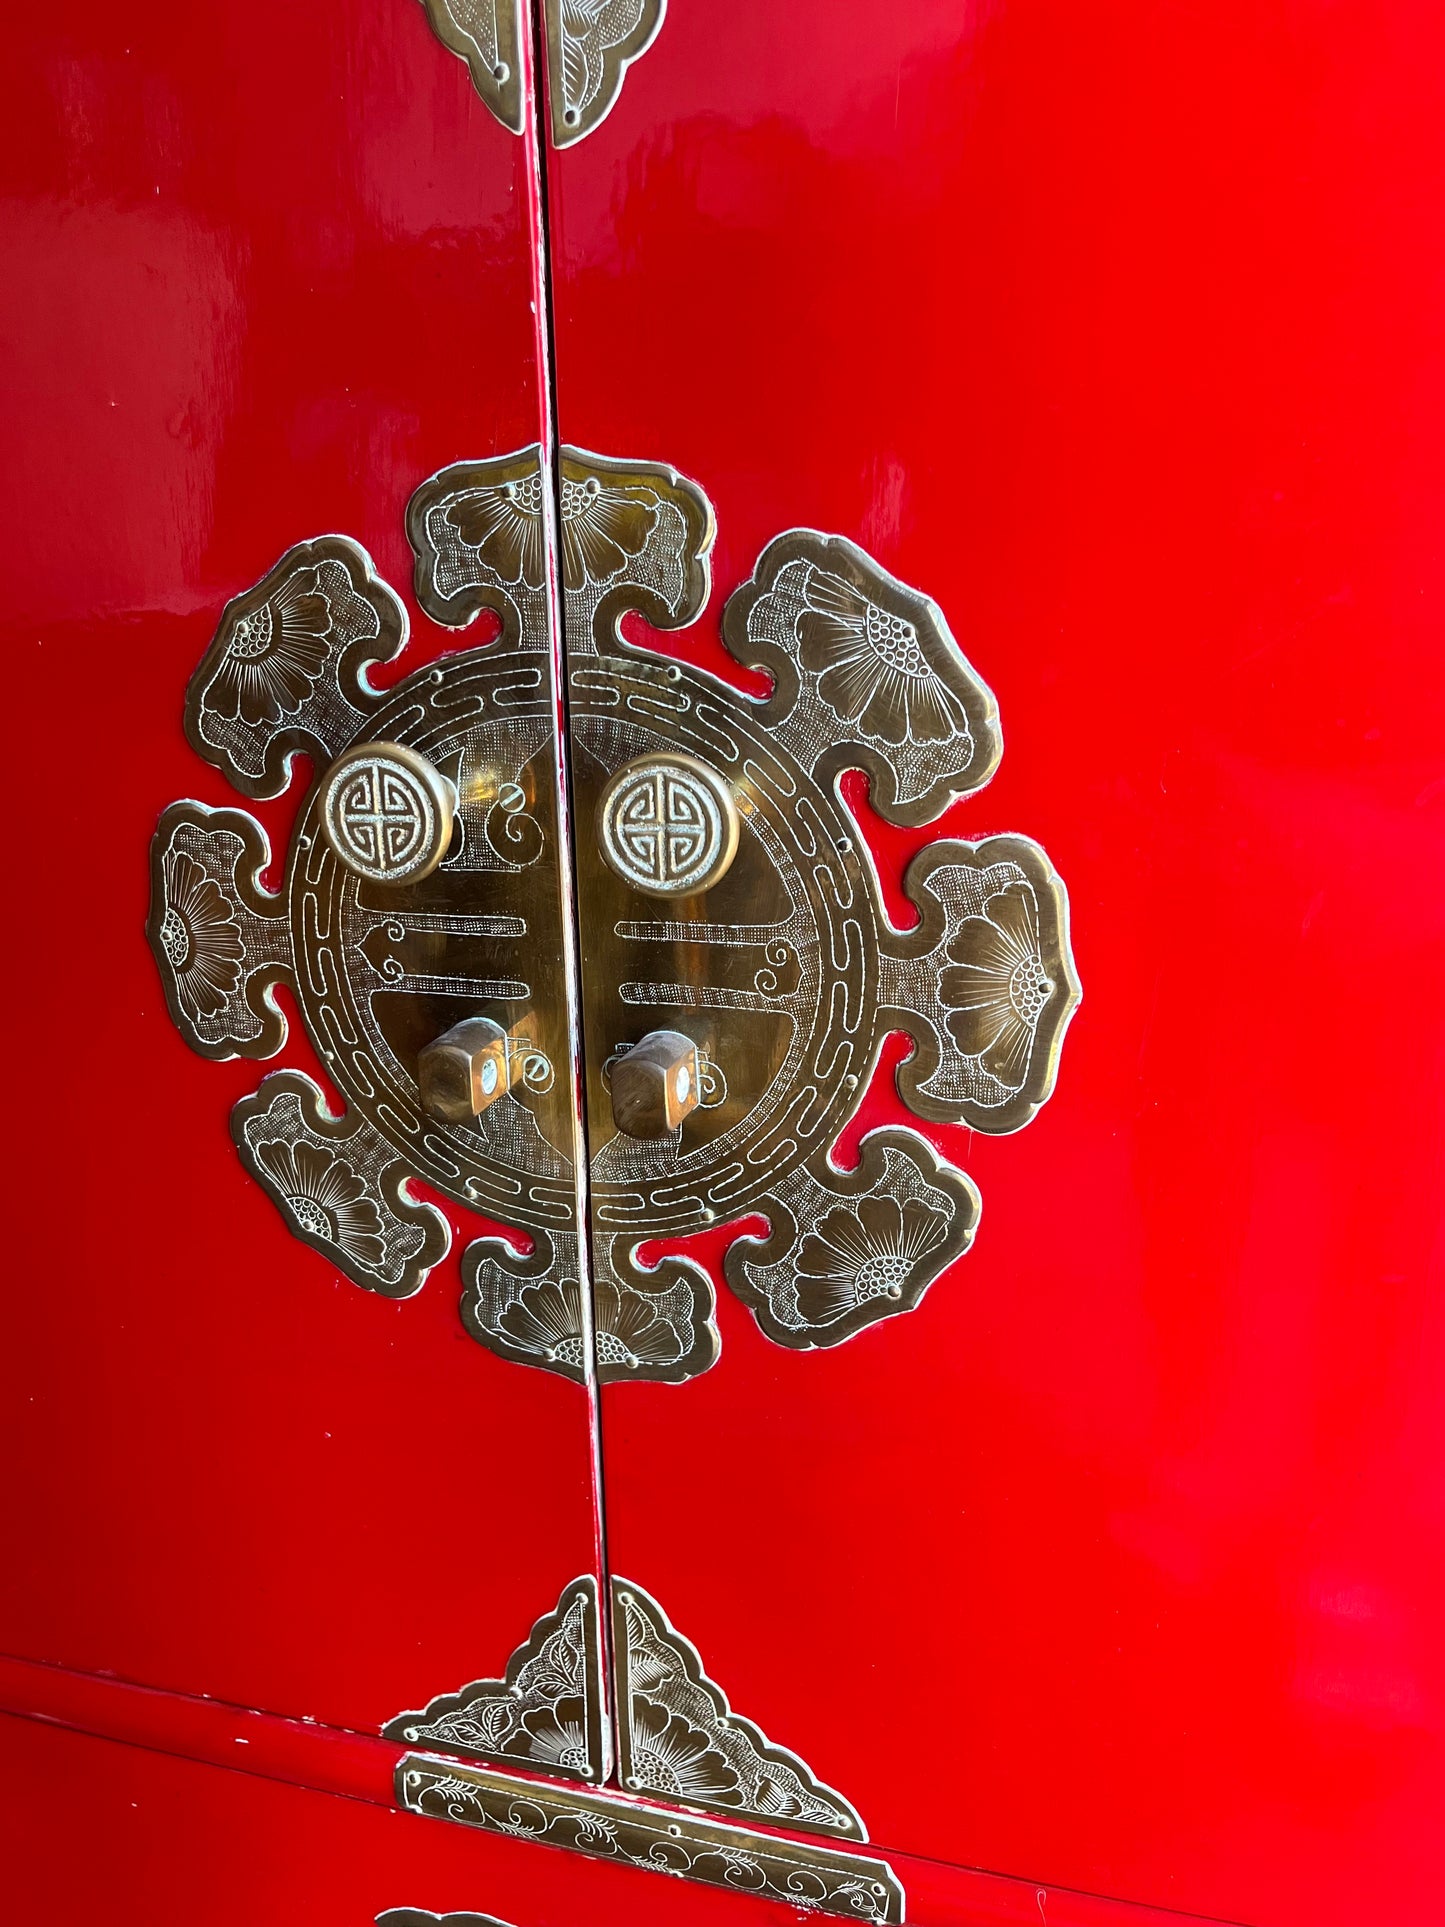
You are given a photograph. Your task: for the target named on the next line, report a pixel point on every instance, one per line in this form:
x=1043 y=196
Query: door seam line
x=539 y=153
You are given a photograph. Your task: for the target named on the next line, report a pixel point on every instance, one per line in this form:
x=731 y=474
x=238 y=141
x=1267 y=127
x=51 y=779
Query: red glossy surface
x=1119 y=330
x=92 y=1829
x=267 y=267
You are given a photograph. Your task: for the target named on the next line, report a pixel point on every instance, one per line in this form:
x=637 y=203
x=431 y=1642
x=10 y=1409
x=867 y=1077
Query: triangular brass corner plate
x=679 y=1740
x=546 y=1713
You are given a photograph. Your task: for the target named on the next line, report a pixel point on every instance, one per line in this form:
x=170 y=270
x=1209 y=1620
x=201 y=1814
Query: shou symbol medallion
x=740 y=973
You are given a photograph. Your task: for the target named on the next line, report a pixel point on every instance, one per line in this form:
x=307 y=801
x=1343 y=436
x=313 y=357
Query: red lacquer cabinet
x=731 y=733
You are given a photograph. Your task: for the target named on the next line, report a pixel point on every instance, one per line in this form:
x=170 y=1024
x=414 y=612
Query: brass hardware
x=804 y=1876
x=487 y=35
x=379 y=971
x=417 y=1917
x=589 y=49
x=780 y=963
x=668 y=825
x=663 y=1694
x=655 y=1085
x=464 y=1070
x=386 y=813
x=789 y=976
x=677 y=1739
x=547 y=1714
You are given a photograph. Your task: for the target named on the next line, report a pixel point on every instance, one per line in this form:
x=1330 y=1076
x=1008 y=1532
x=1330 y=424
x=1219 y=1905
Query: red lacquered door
x=769 y=562
x=270 y=268
x=1116 y=1561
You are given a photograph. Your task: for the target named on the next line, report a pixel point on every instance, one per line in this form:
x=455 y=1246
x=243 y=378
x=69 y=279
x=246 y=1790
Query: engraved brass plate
x=547 y=1713
x=589 y=49
x=423 y=889
x=487 y=35
x=668 y=825
x=726 y=903
x=416 y=1917
x=419 y=1918
x=677 y=1737
x=783 y=969
x=590 y=46
x=631 y=1834
x=386 y=813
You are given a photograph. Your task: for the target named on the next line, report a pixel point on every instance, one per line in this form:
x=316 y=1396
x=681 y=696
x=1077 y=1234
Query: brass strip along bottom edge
x=855 y=1886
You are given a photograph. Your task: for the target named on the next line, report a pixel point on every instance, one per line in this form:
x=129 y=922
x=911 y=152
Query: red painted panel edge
x=325 y=1759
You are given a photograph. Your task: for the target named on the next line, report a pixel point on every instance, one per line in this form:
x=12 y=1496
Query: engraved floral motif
x=871 y=668
x=875 y=1250
x=503 y=524
x=865 y=675
x=547 y=1318
x=656 y=1325
x=546 y=1712
x=997 y=983
x=557 y=1736
x=677 y=1735
x=285 y=670
x=200 y=936
x=603 y=529
x=275 y=653
x=338 y=1184
x=220 y=941
x=868 y=675
x=670 y=1755
x=327 y=1198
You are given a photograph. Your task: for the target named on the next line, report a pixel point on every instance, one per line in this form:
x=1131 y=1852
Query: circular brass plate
x=386 y=813
x=668 y=825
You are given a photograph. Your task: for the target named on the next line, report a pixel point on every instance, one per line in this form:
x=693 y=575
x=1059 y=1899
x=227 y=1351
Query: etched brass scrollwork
x=731 y=921
x=678 y=1742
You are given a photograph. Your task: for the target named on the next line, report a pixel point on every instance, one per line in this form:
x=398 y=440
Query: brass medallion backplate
x=728 y=915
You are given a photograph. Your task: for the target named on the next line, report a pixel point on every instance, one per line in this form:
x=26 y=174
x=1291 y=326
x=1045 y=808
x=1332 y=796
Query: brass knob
x=668 y=825
x=655 y=1085
x=464 y=1070
x=386 y=813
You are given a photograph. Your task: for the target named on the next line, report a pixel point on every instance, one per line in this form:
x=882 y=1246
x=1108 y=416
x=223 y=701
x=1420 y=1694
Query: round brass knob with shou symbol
x=668 y=825
x=386 y=813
